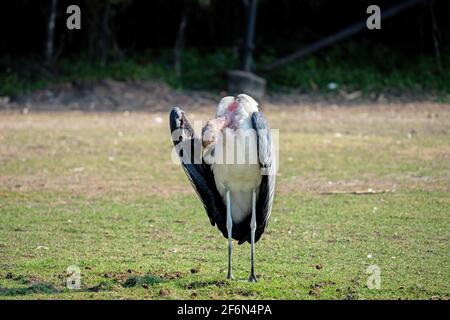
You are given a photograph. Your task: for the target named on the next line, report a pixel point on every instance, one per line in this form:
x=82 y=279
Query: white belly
x=238 y=174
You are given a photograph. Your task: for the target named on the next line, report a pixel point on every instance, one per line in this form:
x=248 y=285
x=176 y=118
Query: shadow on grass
x=145 y=280
x=37 y=286
x=45 y=288
x=34 y=288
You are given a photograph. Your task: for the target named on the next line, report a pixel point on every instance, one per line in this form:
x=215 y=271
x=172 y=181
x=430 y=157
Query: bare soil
x=111 y=95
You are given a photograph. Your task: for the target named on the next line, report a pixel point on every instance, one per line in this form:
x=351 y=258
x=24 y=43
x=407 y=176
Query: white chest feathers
x=236 y=168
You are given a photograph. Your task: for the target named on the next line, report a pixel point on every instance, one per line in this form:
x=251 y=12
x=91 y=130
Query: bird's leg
x=229 y=229
x=252 y=277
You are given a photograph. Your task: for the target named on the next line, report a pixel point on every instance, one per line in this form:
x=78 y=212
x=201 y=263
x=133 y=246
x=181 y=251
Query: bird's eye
x=238 y=100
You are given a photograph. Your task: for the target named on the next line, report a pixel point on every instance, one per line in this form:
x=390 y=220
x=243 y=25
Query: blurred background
x=191 y=44
x=364 y=148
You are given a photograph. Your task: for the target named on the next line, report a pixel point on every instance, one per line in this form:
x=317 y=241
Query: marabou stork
x=236 y=196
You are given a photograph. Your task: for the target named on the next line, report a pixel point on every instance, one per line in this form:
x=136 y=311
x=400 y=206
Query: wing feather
x=267 y=160
x=199 y=173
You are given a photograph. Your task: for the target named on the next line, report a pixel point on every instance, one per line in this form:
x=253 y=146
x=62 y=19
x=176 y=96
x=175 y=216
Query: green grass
x=344 y=65
x=99 y=191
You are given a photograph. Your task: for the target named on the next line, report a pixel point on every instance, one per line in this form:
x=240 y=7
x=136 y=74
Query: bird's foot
x=230 y=276
x=252 y=278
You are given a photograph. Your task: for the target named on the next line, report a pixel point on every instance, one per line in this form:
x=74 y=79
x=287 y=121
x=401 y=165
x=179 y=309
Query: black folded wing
x=189 y=149
x=266 y=154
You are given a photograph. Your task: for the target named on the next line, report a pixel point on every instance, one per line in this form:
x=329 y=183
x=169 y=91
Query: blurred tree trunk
x=50 y=42
x=100 y=36
x=105 y=33
x=435 y=35
x=178 y=47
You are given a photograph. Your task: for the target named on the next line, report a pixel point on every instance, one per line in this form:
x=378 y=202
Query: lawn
x=98 y=191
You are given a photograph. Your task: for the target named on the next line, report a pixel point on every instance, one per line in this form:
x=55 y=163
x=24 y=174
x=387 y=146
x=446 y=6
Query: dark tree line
x=114 y=28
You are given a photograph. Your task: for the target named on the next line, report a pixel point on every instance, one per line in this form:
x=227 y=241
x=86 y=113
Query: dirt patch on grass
x=368 y=186
x=316 y=289
x=145 y=280
x=132 y=278
x=22 y=279
x=109 y=95
x=327 y=186
x=102 y=286
x=203 y=284
x=89 y=187
x=172 y=275
x=112 y=95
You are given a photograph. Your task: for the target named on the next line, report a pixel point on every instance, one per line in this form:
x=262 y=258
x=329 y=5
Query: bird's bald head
x=243 y=103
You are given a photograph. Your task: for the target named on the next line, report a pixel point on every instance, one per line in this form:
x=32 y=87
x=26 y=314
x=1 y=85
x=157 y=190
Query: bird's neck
x=239 y=119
